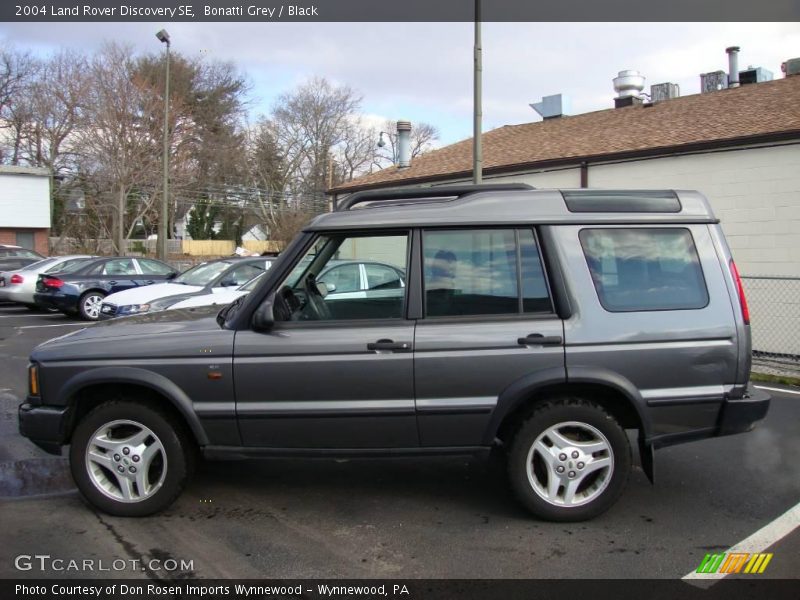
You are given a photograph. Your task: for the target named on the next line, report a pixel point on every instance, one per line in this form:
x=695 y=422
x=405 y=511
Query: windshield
x=68 y=266
x=202 y=274
x=39 y=264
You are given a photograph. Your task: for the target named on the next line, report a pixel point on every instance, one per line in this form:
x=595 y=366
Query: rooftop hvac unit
x=791 y=67
x=754 y=75
x=711 y=82
x=664 y=91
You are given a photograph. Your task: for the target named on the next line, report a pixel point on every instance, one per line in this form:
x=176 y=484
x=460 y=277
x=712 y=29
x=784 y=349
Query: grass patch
x=767 y=378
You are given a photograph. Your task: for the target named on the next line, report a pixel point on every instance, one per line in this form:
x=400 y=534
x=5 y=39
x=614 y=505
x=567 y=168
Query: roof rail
x=444 y=191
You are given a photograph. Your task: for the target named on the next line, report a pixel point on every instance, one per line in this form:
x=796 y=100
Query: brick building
x=25 y=207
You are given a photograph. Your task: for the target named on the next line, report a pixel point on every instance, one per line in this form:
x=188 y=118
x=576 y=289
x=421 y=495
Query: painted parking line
x=781 y=390
x=28 y=315
x=757 y=543
x=56 y=325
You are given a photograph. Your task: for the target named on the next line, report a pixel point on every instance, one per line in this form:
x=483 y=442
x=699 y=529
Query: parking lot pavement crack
x=128 y=548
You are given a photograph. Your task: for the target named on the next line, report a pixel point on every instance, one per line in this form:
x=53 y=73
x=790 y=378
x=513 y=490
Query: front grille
x=108 y=308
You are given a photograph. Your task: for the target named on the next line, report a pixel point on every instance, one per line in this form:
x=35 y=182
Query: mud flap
x=647 y=458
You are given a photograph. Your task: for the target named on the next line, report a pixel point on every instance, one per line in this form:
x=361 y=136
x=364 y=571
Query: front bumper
x=45 y=426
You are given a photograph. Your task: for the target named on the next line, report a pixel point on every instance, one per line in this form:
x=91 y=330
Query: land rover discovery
x=543 y=323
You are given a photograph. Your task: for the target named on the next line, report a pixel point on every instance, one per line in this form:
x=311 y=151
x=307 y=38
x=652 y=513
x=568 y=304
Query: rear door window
x=483 y=272
x=642 y=269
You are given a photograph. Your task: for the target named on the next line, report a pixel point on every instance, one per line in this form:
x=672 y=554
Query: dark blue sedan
x=81 y=291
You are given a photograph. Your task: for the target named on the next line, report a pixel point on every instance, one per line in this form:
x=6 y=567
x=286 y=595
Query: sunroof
x=610 y=201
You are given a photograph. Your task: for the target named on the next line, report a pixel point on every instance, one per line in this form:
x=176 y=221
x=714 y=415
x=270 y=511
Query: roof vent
x=754 y=75
x=552 y=107
x=664 y=91
x=791 y=67
x=629 y=83
x=714 y=81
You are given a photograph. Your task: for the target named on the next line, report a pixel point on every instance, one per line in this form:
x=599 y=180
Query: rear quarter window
x=644 y=269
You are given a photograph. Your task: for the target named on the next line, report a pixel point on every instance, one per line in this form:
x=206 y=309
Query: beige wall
x=755 y=193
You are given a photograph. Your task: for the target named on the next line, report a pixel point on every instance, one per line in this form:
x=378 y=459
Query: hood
x=148 y=293
x=102 y=339
x=217 y=299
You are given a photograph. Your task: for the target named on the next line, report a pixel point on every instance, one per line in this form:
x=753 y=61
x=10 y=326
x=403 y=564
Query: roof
x=750 y=113
x=512 y=207
x=17 y=170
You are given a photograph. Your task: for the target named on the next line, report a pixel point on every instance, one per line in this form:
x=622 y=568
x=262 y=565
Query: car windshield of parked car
x=202 y=274
x=69 y=266
x=39 y=264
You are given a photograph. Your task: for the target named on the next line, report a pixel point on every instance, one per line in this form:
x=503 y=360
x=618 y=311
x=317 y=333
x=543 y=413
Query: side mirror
x=263 y=318
x=330 y=287
x=227 y=283
x=171 y=276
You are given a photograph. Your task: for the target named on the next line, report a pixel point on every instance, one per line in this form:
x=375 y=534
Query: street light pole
x=163 y=221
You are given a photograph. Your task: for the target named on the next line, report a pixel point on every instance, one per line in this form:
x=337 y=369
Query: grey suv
x=545 y=323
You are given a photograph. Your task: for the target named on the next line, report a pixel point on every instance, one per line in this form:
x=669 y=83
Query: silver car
x=20 y=285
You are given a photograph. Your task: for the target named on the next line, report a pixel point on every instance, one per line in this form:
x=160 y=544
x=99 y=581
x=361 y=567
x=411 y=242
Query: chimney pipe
x=403 y=144
x=733 y=66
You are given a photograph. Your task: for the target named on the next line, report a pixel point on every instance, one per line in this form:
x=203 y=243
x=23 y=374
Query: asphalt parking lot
x=438 y=518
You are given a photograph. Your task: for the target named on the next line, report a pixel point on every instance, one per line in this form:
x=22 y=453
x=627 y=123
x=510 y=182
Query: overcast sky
x=423 y=71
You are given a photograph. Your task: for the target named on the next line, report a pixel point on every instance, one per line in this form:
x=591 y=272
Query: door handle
x=112 y=283
x=389 y=345
x=149 y=282
x=537 y=339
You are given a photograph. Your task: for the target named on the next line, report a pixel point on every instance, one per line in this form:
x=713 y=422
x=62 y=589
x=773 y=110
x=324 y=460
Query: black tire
x=580 y=422
x=173 y=471
x=84 y=311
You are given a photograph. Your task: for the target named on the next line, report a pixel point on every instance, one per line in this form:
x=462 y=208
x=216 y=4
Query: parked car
x=221 y=298
x=20 y=285
x=214 y=276
x=81 y=291
x=16 y=257
x=354 y=279
x=541 y=323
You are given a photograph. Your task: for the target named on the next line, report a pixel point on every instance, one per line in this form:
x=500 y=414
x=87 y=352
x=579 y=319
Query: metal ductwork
x=733 y=66
x=403 y=144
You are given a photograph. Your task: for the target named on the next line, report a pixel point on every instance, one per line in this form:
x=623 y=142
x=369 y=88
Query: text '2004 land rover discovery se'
x=545 y=322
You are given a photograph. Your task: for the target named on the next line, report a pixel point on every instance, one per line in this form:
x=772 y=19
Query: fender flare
x=140 y=377
x=510 y=399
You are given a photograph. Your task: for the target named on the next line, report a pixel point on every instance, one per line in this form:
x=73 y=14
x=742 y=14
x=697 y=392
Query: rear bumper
x=58 y=301
x=735 y=415
x=45 y=426
x=740 y=415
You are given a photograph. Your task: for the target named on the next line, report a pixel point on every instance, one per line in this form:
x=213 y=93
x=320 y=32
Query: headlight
x=133 y=309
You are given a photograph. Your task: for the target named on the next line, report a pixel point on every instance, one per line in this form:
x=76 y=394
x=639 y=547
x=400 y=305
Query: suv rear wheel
x=569 y=460
x=130 y=459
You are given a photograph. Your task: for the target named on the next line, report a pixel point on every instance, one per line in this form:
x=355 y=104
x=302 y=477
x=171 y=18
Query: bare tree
x=17 y=72
x=118 y=147
x=309 y=122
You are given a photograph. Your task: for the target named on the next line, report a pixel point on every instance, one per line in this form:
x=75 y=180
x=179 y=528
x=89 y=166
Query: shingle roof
x=747 y=113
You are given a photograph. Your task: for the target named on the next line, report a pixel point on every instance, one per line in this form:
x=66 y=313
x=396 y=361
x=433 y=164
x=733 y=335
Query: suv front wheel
x=569 y=460
x=130 y=459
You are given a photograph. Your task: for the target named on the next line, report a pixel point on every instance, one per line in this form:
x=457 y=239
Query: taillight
x=740 y=290
x=16 y=278
x=52 y=282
